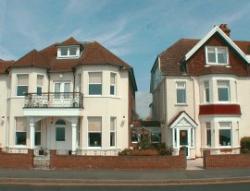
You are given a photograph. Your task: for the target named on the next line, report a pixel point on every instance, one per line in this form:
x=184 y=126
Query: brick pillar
x=182 y=155
x=52 y=158
x=206 y=154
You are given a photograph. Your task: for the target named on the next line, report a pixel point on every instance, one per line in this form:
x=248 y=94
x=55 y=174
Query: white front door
x=62 y=95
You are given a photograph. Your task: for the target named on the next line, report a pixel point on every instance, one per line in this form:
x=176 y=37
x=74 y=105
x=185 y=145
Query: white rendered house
x=201 y=90
x=71 y=97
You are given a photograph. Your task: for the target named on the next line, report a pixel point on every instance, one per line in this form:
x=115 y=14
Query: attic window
x=68 y=52
x=216 y=55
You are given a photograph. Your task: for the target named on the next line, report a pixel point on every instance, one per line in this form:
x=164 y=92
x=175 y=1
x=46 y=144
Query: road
x=220 y=187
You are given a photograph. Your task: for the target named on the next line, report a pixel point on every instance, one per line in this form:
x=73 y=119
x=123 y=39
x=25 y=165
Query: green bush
x=144 y=143
x=245 y=145
x=125 y=152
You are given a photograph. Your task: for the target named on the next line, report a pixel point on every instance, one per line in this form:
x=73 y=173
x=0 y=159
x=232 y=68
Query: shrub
x=144 y=143
x=245 y=145
x=125 y=152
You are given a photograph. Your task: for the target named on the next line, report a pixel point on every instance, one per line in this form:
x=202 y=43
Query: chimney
x=225 y=29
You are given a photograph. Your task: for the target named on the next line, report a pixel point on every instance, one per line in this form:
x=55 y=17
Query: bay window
x=94 y=131
x=112 y=131
x=22 y=84
x=225 y=133
x=95 y=83
x=21 y=130
x=223 y=90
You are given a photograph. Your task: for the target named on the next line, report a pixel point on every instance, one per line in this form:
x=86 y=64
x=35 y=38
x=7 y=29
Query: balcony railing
x=54 y=100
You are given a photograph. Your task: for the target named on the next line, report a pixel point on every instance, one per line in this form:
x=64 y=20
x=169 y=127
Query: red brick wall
x=226 y=161
x=14 y=160
x=196 y=64
x=117 y=162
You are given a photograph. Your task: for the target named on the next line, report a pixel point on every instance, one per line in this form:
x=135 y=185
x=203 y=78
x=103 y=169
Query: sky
x=135 y=30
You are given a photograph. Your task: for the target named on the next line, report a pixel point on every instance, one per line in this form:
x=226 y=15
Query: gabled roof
x=216 y=29
x=69 y=41
x=170 y=59
x=182 y=115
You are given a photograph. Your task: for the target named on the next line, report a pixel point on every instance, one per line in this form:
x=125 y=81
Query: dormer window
x=68 y=52
x=216 y=55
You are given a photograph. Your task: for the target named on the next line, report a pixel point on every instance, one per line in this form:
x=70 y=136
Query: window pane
x=66 y=89
x=112 y=124
x=95 y=89
x=222 y=55
x=95 y=139
x=112 y=90
x=20 y=138
x=39 y=90
x=39 y=80
x=22 y=90
x=112 y=78
x=211 y=56
x=60 y=134
x=223 y=94
x=181 y=96
x=37 y=138
x=95 y=77
x=134 y=137
x=207 y=93
x=64 y=51
x=112 y=139
x=225 y=137
x=94 y=124
x=21 y=124
x=22 y=79
x=72 y=51
x=208 y=127
x=155 y=137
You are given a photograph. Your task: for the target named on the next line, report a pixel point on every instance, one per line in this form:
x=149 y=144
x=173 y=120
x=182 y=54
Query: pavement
x=122 y=177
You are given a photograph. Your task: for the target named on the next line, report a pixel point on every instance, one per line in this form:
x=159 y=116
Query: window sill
x=95 y=148
x=216 y=64
x=181 y=104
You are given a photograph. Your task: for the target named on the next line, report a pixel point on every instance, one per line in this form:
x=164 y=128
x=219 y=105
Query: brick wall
x=14 y=160
x=226 y=160
x=117 y=162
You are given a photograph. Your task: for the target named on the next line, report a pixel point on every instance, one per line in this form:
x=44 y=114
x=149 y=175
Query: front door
x=184 y=141
x=62 y=95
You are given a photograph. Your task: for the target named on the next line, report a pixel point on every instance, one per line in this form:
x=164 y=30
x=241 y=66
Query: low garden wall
x=117 y=162
x=16 y=160
x=226 y=160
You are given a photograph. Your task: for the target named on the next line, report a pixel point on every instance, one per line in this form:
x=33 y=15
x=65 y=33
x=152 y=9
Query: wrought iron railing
x=54 y=100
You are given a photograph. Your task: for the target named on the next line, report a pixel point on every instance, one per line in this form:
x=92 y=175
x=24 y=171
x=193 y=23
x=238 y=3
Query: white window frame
x=95 y=83
x=92 y=147
x=230 y=127
x=21 y=84
x=20 y=145
x=216 y=55
x=207 y=86
x=113 y=85
x=185 y=88
x=113 y=131
x=229 y=90
x=208 y=128
x=60 y=56
x=39 y=86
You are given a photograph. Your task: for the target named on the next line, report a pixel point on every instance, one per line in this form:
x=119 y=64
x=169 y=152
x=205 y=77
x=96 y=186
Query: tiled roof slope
x=4 y=64
x=170 y=58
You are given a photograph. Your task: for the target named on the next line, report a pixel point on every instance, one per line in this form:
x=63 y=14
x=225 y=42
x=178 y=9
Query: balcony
x=54 y=100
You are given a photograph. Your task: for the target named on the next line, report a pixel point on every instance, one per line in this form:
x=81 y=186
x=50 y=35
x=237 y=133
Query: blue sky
x=135 y=30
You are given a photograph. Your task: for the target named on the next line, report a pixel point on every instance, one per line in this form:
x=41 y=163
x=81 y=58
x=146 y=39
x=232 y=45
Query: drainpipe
x=48 y=85
x=74 y=81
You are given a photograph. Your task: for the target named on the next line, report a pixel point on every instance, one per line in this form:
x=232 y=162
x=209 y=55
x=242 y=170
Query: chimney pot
x=225 y=29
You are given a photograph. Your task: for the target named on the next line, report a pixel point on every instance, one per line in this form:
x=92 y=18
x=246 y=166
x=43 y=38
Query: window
x=60 y=130
x=62 y=90
x=68 y=52
x=181 y=92
x=225 y=133
x=207 y=92
x=95 y=131
x=78 y=83
x=95 y=83
x=39 y=84
x=21 y=126
x=208 y=132
x=22 y=84
x=217 y=55
x=112 y=131
x=155 y=137
x=38 y=133
x=135 y=137
x=112 y=84
x=60 y=133
x=223 y=91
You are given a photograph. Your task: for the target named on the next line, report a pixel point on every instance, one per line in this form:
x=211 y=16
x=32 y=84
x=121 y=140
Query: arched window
x=60 y=122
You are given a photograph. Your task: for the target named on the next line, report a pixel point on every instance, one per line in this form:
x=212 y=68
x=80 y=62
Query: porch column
x=73 y=134
x=32 y=133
